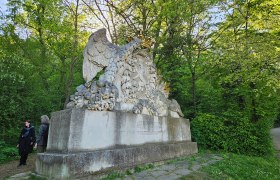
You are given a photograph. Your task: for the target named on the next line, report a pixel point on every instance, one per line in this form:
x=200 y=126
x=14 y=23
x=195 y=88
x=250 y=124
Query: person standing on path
x=26 y=142
x=42 y=139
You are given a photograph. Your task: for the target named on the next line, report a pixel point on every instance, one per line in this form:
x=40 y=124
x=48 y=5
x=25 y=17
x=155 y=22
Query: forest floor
x=10 y=168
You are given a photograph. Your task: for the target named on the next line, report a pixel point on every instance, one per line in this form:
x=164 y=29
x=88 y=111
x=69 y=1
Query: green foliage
x=38 y=69
x=143 y=167
x=238 y=97
x=235 y=166
x=36 y=177
x=7 y=152
x=113 y=175
x=233 y=133
x=14 y=95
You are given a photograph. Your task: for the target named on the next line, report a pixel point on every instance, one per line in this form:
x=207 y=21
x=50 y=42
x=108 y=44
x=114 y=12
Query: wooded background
x=220 y=58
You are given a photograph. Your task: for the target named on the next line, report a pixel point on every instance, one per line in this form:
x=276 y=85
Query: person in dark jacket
x=42 y=139
x=26 y=142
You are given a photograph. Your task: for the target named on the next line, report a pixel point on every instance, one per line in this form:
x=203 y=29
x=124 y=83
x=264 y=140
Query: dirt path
x=276 y=140
x=276 y=137
x=10 y=168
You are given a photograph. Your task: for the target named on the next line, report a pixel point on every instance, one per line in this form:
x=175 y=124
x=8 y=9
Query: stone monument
x=120 y=119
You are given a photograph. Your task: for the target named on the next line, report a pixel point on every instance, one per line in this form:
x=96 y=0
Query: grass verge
x=235 y=166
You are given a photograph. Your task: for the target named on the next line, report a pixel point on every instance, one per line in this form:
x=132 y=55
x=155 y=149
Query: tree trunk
x=74 y=59
x=193 y=89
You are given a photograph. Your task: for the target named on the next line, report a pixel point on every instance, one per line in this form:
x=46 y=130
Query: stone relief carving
x=130 y=82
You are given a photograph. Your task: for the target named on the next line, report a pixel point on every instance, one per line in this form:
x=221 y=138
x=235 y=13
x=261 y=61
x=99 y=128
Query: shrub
x=233 y=134
x=7 y=152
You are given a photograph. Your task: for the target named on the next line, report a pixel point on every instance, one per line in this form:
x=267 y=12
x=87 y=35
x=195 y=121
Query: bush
x=233 y=134
x=7 y=152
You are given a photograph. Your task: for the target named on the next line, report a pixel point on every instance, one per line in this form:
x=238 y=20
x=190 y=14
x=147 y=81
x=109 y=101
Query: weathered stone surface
x=182 y=172
x=170 y=177
x=84 y=141
x=85 y=130
x=158 y=173
x=130 y=81
x=83 y=163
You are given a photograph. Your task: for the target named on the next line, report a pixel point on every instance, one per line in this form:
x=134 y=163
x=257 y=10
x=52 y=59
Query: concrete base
x=82 y=141
x=61 y=166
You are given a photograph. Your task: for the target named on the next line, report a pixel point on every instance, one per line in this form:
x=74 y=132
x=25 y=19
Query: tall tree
x=247 y=58
x=58 y=29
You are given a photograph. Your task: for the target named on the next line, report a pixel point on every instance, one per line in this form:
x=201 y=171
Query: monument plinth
x=122 y=119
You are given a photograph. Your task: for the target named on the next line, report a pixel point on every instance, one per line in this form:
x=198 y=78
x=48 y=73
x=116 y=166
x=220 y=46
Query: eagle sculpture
x=129 y=83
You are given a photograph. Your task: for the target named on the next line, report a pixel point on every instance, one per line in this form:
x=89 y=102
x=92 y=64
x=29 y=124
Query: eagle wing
x=97 y=54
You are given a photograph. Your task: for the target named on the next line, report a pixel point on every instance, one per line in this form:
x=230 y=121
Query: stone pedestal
x=83 y=141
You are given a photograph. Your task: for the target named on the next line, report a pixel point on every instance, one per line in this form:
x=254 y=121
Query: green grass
x=235 y=166
x=7 y=153
x=35 y=177
x=113 y=175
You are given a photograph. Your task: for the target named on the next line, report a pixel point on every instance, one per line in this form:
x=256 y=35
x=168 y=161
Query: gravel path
x=10 y=168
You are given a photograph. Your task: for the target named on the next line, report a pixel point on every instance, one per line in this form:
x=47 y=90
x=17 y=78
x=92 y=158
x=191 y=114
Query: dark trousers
x=41 y=149
x=23 y=159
